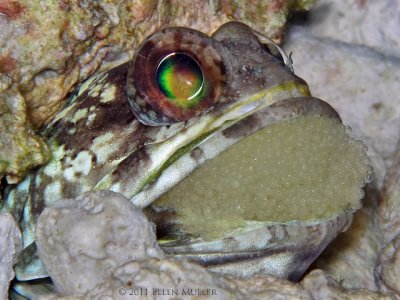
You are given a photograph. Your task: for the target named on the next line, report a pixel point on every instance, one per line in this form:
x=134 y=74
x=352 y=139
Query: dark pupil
x=180 y=79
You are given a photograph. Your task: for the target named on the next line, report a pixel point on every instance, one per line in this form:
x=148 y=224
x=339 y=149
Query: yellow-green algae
x=303 y=169
x=20 y=148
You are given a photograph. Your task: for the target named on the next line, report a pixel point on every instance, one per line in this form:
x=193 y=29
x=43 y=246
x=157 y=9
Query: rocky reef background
x=347 y=51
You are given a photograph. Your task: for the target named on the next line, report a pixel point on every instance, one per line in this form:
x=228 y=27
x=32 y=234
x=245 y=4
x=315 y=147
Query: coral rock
x=81 y=242
x=10 y=247
x=20 y=148
x=388 y=269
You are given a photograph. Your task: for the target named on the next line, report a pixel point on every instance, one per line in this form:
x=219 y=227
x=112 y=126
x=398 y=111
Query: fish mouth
x=292 y=161
x=199 y=131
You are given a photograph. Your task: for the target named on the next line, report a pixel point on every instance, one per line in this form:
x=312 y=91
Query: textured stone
x=375 y=24
x=20 y=148
x=388 y=266
x=175 y=279
x=10 y=247
x=390 y=206
x=157 y=277
x=322 y=286
x=388 y=269
x=82 y=241
x=181 y=280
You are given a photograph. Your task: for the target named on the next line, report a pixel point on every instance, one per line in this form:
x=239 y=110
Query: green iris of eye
x=180 y=79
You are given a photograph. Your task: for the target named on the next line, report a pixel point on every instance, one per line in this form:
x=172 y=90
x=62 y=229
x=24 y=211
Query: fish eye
x=180 y=79
x=177 y=74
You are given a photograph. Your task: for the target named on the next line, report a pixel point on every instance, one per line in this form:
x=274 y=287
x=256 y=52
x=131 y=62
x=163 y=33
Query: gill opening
x=287 y=60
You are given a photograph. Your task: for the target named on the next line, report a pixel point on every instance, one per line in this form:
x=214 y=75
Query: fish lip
x=283 y=242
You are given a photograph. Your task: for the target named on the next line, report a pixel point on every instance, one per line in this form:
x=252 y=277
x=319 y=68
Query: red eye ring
x=150 y=103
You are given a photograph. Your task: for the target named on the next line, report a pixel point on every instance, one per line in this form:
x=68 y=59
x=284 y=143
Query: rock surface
x=390 y=206
x=163 y=279
x=81 y=242
x=323 y=286
x=388 y=267
x=10 y=247
x=20 y=148
x=175 y=279
x=374 y=24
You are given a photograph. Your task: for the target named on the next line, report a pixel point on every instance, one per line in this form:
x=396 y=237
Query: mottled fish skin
x=266 y=249
x=97 y=143
x=96 y=139
x=89 y=139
